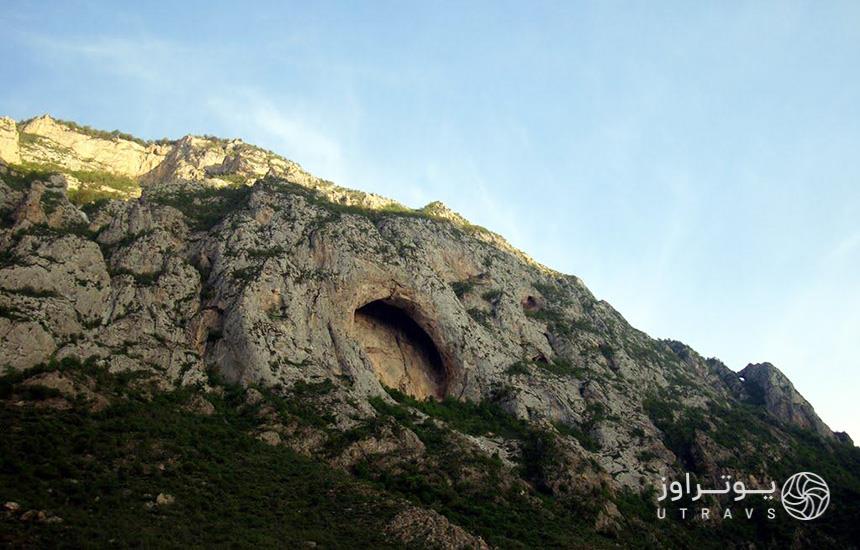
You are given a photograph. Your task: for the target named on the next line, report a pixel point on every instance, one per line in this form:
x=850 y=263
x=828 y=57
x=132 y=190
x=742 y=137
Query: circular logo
x=805 y=496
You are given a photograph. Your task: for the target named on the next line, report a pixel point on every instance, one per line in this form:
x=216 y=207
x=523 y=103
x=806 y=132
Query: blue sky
x=697 y=164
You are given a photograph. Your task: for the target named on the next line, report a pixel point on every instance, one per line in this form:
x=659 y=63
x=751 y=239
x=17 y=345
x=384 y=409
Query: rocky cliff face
x=190 y=260
x=768 y=386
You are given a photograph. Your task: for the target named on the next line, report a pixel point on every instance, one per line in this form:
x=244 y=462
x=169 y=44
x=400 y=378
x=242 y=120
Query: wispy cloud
x=281 y=128
x=142 y=58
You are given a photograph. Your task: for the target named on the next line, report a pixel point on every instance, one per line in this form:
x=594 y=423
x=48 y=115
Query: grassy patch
x=482 y=418
x=553 y=294
x=375 y=215
x=520 y=367
x=20 y=178
x=480 y=316
x=206 y=207
x=95 y=185
x=492 y=296
x=461 y=288
x=559 y=323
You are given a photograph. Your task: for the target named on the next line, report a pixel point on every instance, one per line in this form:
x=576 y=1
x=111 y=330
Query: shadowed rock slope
x=201 y=276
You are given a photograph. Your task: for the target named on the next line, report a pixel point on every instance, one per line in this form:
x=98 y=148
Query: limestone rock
x=766 y=384
x=427 y=528
x=164 y=499
x=69 y=388
x=24 y=344
x=9 y=149
x=11 y=506
x=59 y=143
x=200 y=405
x=393 y=443
x=270 y=437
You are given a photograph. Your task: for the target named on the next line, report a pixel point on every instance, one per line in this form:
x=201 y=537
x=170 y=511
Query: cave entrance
x=403 y=355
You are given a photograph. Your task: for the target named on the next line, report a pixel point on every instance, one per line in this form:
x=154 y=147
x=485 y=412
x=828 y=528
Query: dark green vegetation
x=761 y=446
x=100 y=472
x=95 y=185
x=554 y=517
x=484 y=418
x=492 y=296
x=205 y=207
x=475 y=490
x=461 y=288
x=20 y=177
x=594 y=413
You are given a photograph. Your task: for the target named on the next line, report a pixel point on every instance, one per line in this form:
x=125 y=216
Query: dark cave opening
x=403 y=355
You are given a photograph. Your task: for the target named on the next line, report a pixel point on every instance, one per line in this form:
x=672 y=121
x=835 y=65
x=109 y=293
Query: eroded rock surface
x=766 y=384
x=237 y=262
x=403 y=356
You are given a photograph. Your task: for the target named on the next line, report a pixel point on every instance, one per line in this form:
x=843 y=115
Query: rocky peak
x=767 y=385
x=438 y=209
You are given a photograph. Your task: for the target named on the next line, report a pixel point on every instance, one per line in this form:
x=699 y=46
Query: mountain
x=204 y=344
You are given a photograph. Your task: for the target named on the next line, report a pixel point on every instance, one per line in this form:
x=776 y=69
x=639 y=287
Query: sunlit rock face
x=403 y=356
x=9 y=148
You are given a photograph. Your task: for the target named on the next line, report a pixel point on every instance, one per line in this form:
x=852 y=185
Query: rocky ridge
x=190 y=260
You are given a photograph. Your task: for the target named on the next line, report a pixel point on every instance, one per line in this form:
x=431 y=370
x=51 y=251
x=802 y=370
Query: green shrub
x=206 y=207
x=101 y=471
x=593 y=414
x=492 y=296
x=20 y=177
x=461 y=288
x=468 y=417
x=480 y=316
x=555 y=296
x=679 y=430
x=520 y=367
x=235 y=179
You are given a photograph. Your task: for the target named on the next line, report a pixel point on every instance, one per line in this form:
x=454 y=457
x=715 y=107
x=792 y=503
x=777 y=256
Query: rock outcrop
x=768 y=386
x=236 y=262
x=419 y=527
x=48 y=141
x=9 y=149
